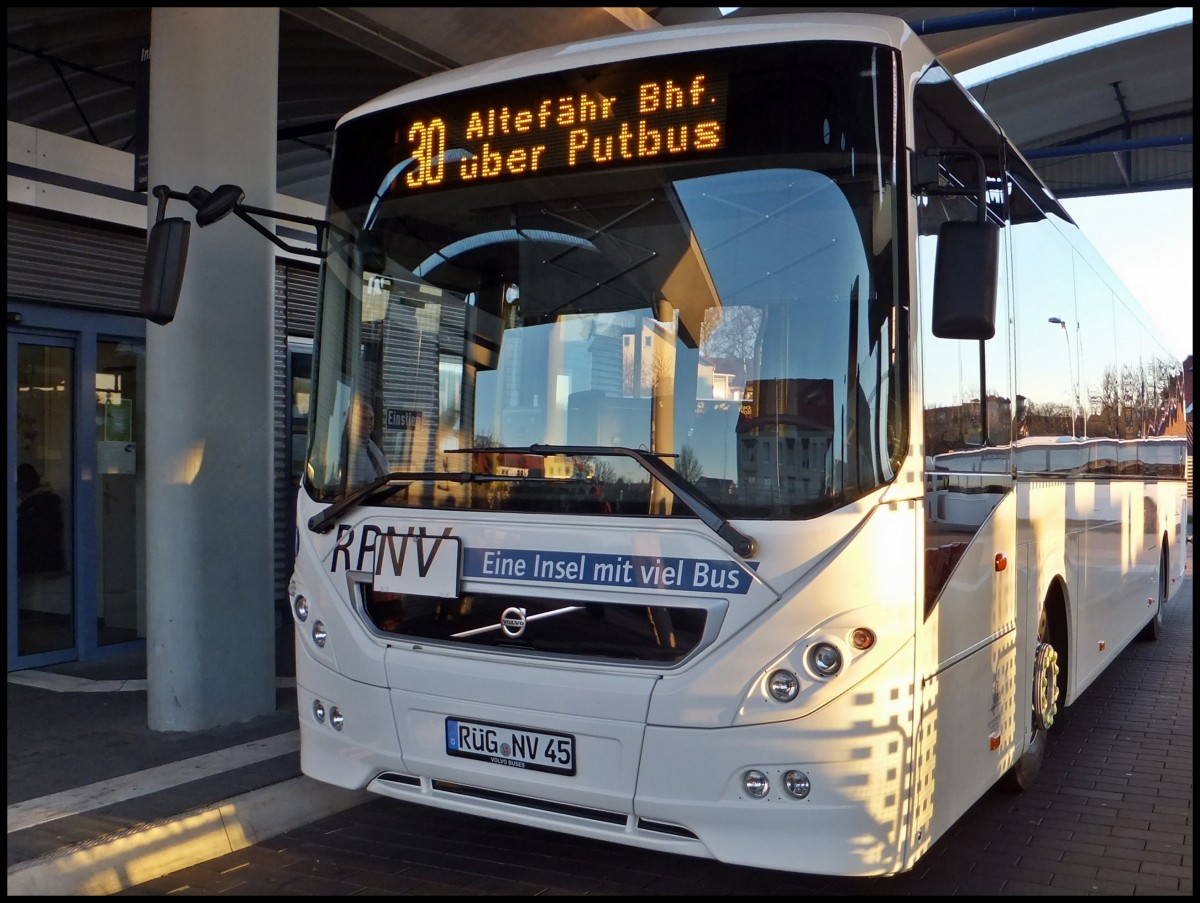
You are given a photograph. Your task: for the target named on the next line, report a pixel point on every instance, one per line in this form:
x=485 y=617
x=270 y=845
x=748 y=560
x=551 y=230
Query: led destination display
x=771 y=102
x=535 y=128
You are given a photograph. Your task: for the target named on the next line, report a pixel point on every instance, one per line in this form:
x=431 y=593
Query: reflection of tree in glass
x=1136 y=402
x=731 y=334
x=687 y=465
x=602 y=471
x=1106 y=401
x=1042 y=418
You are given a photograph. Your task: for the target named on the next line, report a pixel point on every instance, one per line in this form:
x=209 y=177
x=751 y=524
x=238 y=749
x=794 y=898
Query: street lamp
x=1071 y=376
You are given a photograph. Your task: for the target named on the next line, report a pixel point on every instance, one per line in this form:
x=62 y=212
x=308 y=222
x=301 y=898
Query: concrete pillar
x=209 y=509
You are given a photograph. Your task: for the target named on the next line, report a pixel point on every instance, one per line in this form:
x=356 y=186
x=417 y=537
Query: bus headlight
x=783 y=685
x=756 y=784
x=301 y=607
x=318 y=633
x=825 y=659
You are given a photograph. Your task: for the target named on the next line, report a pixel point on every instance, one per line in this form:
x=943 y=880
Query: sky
x=1147 y=240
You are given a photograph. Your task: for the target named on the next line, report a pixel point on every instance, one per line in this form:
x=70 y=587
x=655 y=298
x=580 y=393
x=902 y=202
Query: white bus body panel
x=1102 y=540
x=974 y=710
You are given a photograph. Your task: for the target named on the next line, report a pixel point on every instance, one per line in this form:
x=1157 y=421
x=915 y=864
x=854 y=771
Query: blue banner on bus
x=702 y=575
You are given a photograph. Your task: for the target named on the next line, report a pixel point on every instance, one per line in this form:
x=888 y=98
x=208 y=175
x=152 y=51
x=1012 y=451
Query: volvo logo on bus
x=512 y=621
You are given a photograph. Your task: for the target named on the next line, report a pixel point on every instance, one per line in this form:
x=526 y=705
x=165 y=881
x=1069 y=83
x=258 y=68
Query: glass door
x=120 y=610
x=41 y=581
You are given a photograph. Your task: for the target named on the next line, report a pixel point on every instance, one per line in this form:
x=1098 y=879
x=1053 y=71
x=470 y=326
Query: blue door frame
x=78 y=331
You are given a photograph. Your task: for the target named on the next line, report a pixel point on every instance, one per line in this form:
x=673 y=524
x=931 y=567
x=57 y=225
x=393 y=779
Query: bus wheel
x=1045 y=709
x=1045 y=687
x=1154 y=629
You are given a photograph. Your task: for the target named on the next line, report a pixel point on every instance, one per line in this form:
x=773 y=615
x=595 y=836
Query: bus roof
x=771 y=29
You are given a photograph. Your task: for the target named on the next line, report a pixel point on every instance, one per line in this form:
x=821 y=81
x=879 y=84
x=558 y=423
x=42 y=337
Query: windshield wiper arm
x=680 y=488
x=324 y=521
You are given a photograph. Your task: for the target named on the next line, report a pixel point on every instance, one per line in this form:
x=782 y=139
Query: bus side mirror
x=162 y=279
x=964 y=280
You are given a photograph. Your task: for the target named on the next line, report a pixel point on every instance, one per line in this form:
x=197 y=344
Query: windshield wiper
x=324 y=521
x=679 y=487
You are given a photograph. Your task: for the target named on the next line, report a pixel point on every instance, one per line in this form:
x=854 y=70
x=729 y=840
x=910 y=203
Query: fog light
x=301 y=606
x=825 y=659
x=796 y=784
x=783 y=685
x=318 y=633
x=319 y=711
x=336 y=718
x=756 y=784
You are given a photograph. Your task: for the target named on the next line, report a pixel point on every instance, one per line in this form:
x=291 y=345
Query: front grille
x=619 y=631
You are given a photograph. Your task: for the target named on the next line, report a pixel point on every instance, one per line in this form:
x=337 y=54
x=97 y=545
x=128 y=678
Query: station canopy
x=1115 y=118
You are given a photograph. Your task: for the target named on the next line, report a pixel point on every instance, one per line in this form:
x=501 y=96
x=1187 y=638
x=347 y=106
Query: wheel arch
x=1055 y=607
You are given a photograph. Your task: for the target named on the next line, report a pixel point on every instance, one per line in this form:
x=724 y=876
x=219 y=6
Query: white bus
x=741 y=499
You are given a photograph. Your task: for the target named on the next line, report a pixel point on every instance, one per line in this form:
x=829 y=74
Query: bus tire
x=1045 y=697
x=1154 y=629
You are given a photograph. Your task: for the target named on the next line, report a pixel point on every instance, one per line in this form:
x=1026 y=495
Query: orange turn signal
x=862 y=638
x=1001 y=561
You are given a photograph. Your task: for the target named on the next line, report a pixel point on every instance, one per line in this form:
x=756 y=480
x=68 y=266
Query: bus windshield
x=694 y=259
